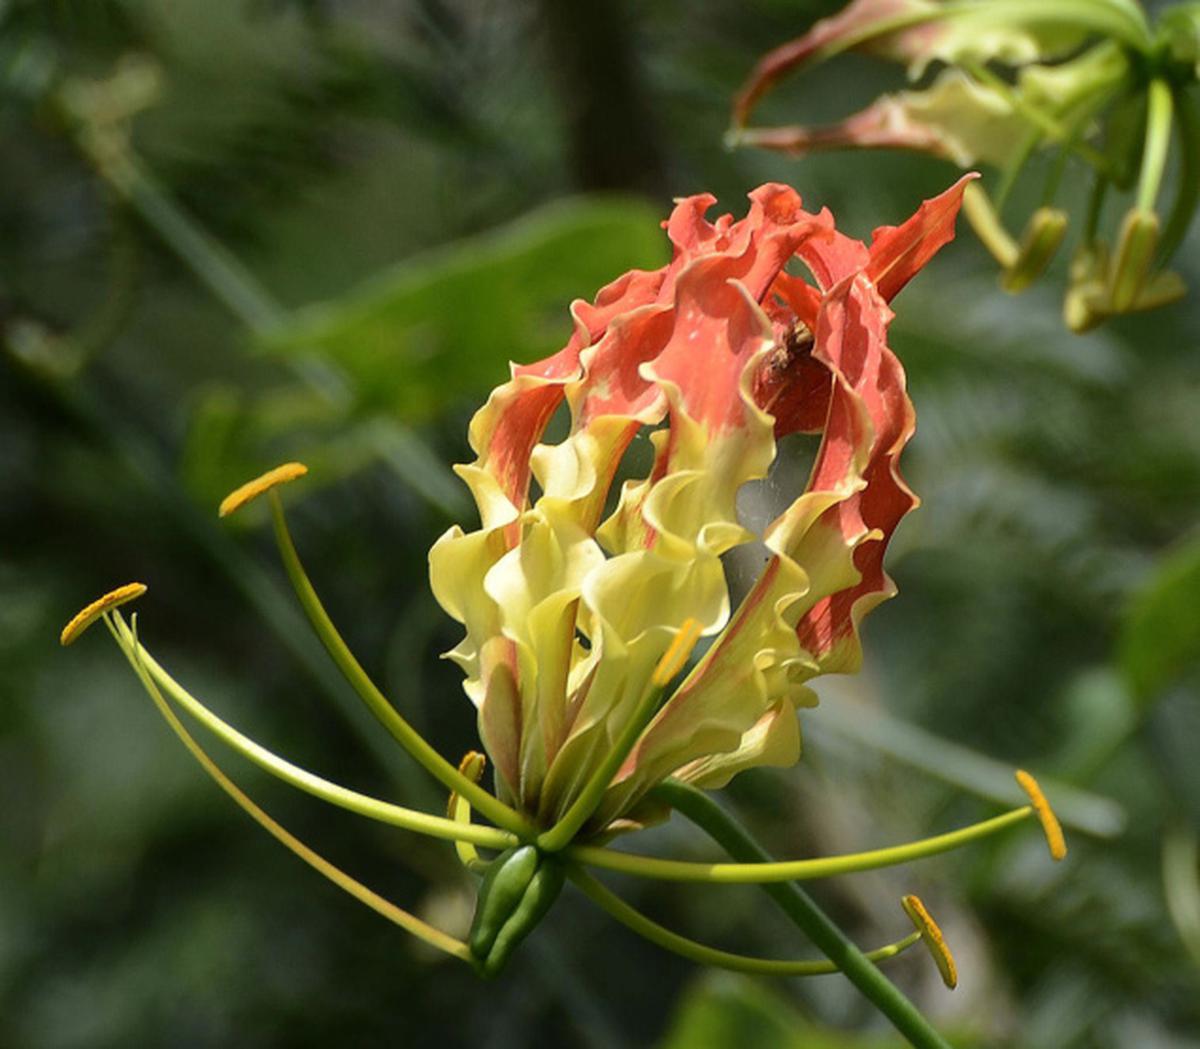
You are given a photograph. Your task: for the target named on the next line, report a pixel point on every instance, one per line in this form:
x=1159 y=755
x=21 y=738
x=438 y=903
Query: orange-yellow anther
x=933 y=939
x=471 y=766
x=87 y=616
x=1041 y=807
x=239 y=497
x=675 y=656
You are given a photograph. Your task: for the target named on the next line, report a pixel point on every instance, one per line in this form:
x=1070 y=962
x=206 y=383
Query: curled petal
x=567 y=614
x=916 y=33
x=955 y=118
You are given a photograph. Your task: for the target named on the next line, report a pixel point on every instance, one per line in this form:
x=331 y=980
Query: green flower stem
x=362 y=804
x=984 y=220
x=704 y=955
x=468 y=855
x=409 y=922
x=743 y=873
x=727 y=832
x=583 y=807
x=408 y=737
x=1159 y=106
x=1188 y=194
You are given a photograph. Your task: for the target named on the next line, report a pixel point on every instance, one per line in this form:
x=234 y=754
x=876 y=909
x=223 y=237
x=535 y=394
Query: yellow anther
x=933 y=939
x=1041 y=807
x=459 y=809
x=87 y=616
x=471 y=766
x=675 y=656
x=239 y=497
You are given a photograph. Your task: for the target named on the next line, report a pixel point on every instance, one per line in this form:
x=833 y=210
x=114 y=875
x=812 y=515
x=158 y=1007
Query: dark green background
x=421 y=188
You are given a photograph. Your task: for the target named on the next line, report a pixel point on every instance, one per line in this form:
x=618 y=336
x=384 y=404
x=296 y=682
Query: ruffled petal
x=567 y=614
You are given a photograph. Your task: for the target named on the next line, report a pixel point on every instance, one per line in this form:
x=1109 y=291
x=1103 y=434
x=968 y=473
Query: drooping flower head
x=993 y=83
x=571 y=590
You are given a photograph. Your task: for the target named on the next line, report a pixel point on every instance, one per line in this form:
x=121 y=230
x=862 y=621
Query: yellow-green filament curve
x=459 y=810
x=408 y=737
x=791 y=870
x=409 y=922
x=698 y=952
x=362 y=804
x=585 y=805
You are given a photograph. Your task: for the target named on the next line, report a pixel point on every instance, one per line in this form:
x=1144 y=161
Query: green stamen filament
x=408 y=737
x=362 y=804
x=585 y=805
x=727 y=832
x=409 y=922
x=698 y=952
x=459 y=810
x=793 y=870
x=1159 y=106
x=988 y=228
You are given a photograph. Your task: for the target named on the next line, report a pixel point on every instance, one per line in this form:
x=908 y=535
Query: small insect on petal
x=87 y=616
x=239 y=497
x=933 y=939
x=1041 y=807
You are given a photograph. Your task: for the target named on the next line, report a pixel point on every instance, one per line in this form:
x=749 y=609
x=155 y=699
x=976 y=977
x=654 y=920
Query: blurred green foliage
x=352 y=217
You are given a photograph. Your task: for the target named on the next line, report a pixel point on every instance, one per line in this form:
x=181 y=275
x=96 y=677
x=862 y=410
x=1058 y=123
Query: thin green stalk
x=1188 y=194
x=981 y=214
x=404 y=734
x=704 y=955
x=589 y=798
x=792 y=870
x=302 y=779
x=409 y=922
x=731 y=836
x=1159 y=106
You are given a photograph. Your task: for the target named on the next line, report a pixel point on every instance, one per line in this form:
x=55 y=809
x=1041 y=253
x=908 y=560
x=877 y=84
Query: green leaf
x=1160 y=636
x=441 y=327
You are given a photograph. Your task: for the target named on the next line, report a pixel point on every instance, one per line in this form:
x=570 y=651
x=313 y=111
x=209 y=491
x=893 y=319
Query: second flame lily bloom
x=569 y=611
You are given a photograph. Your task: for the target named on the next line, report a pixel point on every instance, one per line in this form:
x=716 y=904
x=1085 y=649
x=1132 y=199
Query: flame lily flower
x=569 y=612
x=1090 y=79
x=580 y=622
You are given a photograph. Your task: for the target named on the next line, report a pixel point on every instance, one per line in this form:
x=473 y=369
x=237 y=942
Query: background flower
x=416 y=171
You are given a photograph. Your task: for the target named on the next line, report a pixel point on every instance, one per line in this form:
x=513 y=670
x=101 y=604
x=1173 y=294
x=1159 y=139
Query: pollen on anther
x=933 y=939
x=472 y=766
x=87 y=616
x=676 y=655
x=239 y=497
x=1041 y=807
